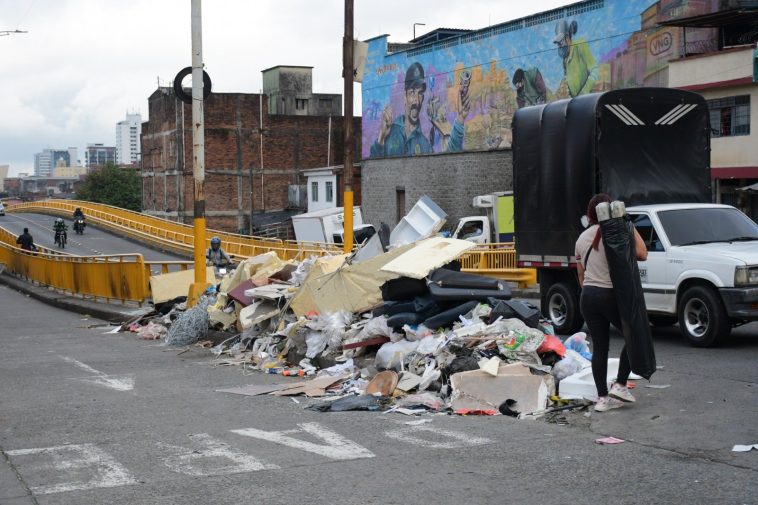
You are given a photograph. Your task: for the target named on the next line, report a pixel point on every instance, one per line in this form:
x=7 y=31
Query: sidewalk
x=114 y=313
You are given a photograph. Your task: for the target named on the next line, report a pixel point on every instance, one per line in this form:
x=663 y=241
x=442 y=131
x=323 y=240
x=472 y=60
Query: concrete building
x=289 y=90
x=46 y=160
x=69 y=172
x=127 y=139
x=250 y=165
x=3 y=174
x=97 y=155
x=451 y=94
x=325 y=186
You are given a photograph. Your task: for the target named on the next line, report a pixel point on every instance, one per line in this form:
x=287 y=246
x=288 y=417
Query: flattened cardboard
x=427 y=255
x=166 y=287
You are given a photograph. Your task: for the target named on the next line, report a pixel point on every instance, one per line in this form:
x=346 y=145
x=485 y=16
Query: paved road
x=89 y=418
x=93 y=242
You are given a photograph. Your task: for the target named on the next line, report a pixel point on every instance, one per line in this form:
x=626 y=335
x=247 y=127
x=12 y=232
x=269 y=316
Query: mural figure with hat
x=530 y=87
x=402 y=135
x=579 y=68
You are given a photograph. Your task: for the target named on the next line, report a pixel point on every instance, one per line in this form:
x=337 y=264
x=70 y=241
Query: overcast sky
x=84 y=63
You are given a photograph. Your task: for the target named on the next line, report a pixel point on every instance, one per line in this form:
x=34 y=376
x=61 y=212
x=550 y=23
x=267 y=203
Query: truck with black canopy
x=650 y=148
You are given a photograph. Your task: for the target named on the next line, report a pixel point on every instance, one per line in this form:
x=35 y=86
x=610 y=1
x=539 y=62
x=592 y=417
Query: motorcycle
x=60 y=239
x=79 y=225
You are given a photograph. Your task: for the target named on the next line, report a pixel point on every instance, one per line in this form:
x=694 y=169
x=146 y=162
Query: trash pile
x=403 y=331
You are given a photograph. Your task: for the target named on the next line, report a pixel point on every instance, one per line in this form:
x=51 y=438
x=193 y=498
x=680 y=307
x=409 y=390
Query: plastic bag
x=430 y=345
x=578 y=342
x=316 y=342
x=618 y=240
x=552 y=344
x=335 y=328
x=528 y=340
x=377 y=327
x=428 y=400
x=417 y=333
x=391 y=354
x=571 y=364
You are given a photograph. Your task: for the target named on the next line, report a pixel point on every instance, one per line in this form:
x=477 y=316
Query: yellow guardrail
x=495 y=260
x=172 y=236
x=116 y=277
x=498 y=260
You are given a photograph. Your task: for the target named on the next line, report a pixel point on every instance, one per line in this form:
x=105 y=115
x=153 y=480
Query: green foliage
x=111 y=185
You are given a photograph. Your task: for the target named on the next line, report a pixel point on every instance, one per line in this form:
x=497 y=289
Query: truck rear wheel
x=702 y=317
x=562 y=309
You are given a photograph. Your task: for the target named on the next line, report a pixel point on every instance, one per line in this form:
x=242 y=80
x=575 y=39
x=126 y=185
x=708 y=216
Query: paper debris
x=744 y=448
x=658 y=386
x=609 y=441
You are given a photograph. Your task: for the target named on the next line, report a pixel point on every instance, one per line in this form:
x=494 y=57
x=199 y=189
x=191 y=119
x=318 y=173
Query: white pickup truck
x=701 y=270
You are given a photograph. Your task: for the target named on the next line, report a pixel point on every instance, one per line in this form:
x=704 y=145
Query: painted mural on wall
x=461 y=96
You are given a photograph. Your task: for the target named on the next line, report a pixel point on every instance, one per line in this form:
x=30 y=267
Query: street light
x=414 y=28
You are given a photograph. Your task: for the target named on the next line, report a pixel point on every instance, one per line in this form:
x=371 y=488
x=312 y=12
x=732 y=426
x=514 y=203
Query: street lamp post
x=414 y=28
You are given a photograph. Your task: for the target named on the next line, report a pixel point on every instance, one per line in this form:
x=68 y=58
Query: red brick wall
x=232 y=149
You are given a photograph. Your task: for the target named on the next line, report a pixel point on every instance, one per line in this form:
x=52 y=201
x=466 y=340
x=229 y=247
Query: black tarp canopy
x=639 y=145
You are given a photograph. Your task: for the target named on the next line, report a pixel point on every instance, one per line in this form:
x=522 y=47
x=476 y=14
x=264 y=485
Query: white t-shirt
x=596 y=272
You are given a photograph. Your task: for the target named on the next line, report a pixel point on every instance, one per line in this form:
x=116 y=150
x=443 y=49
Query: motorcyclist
x=79 y=215
x=59 y=227
x=25 y=240
x=217 y=256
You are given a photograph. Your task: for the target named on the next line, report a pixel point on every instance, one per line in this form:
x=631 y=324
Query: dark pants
x=598 y=306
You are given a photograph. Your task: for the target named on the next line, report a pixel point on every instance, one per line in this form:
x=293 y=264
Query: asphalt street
x=90 y=417
x=92 y=242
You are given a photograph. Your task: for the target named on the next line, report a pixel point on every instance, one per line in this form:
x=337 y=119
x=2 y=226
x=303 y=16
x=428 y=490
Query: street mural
x=461 y=93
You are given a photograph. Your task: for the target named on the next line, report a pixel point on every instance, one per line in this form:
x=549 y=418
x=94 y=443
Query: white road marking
x=335 y=446
x=455 y=439
x=118 y=383
x=72 y=460
x=204 y=462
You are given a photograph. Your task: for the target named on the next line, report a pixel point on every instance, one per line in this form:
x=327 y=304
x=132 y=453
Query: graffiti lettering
x=661 y=43
x=389 y=67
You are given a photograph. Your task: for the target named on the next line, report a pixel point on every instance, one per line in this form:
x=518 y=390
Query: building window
x=400 y=203
x=329 y=191
x=730 y=116
x=301 y=104
x=314 y=191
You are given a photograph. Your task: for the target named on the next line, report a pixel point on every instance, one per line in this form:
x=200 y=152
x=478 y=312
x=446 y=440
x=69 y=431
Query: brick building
x=244 y=162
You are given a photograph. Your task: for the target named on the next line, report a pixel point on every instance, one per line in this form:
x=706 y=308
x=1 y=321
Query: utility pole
x=348 y=69
x=198 y=155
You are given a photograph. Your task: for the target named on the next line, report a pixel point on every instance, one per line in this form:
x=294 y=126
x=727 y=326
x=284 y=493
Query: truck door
x=652 y=271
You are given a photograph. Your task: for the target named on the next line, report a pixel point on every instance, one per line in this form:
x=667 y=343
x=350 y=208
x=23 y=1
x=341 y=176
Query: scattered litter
x=418 y=422
x=295 y=400
x=744 y=448
x=657 y=386
x=355 y=402
x=609 y=441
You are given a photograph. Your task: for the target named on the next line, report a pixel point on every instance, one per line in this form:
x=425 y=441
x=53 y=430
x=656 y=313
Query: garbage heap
x=404 y=330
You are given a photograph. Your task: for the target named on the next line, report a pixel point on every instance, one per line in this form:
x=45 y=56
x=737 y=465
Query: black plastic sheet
x=618 y=239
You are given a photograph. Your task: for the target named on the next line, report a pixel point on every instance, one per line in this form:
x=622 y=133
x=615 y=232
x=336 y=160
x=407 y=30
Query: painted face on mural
x=414 y=98
x=564 y=31
x=415 y=86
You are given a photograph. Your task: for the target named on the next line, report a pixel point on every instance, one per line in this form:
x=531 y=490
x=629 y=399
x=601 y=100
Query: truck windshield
x=707 y=225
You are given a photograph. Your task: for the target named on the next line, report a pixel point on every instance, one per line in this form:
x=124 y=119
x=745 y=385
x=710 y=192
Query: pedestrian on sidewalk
x=599 y=309
x=25 y=240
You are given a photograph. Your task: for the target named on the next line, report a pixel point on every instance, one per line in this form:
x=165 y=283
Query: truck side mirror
x=585 y=221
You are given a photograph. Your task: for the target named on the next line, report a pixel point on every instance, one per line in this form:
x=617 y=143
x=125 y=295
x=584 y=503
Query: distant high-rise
x=45 y=161
x=127 y=139
x=98 y=155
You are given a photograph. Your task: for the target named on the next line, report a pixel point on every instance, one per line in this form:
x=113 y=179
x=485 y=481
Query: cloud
x=85 y=62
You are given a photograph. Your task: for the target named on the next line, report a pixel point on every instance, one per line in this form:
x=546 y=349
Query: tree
x=111 y=185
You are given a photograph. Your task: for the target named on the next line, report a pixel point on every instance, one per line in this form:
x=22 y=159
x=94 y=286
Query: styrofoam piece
x=582 y=385
x=424 y=220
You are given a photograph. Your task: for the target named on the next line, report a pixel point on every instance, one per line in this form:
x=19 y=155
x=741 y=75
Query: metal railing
x=173 y=236
x=111 y=278
x=495 y=260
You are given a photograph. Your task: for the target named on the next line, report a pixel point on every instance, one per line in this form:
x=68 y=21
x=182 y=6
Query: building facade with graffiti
x=455 y=91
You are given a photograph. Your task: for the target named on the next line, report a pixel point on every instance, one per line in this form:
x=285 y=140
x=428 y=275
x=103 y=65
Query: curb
x=104 y=311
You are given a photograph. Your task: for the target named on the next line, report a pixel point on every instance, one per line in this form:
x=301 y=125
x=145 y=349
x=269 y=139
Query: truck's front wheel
x=702 y=317
x=562 y=309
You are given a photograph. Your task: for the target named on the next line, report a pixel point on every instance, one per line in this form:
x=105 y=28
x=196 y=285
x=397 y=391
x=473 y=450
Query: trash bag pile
x=404 y=331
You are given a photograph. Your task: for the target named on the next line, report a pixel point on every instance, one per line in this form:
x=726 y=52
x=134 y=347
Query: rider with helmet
x=59 y=228
x=217 y=256
x=79 y=223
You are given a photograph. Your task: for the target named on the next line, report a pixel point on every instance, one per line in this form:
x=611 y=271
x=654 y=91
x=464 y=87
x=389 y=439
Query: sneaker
x=605 y=403
x=621 y=393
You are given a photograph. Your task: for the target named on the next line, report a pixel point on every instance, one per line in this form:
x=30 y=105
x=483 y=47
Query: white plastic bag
x=572 y=363
x=316 y=342
x=392 y=354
